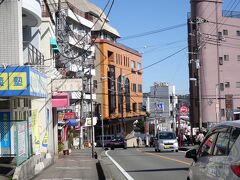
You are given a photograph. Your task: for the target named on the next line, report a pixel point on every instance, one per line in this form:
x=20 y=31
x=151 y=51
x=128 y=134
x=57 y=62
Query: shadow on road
x=165 y=169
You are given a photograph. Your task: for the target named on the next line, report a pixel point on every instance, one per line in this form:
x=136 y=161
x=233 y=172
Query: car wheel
x=112 y=147
x=176 y=150
x=155 y=150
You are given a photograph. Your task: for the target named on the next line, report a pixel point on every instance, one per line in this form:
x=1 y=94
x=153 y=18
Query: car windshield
x=166 y=135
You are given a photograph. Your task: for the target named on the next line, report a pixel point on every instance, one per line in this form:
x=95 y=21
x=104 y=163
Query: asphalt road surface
x=146 y=164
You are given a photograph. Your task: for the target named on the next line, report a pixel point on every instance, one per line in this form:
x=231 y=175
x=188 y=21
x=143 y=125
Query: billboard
x=66 y=85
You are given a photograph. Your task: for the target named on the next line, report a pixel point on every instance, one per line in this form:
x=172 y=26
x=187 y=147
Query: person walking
x=200 y=137
x=137 y=141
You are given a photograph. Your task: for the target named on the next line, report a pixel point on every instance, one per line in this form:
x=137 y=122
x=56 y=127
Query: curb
x=102 y=163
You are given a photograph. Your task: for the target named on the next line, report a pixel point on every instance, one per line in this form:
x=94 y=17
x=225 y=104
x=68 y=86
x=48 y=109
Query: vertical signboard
x=21 y=139
x=5 y=130
x=229 y=106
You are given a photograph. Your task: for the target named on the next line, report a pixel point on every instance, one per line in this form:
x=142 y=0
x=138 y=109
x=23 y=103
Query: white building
x=162 y=103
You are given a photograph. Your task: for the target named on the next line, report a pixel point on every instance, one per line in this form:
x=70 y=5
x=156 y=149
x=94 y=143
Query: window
x=133 y=64
x=226 y=57
x=221 y=87
x=237 y=84
x=134 y=107
x=227 y=84
x=139 y=88
x=238 y=57
x=234 y=135
x=222 y=112
x=220 y=60
x=221 y=146
x=220 y=37
x=139 y=107
x=207 y=146
x=225 y=32
x=238 y=33
x=139 y=67
x=110 y=56
x=134 y=89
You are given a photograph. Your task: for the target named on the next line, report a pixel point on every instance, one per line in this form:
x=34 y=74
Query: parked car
x=106 y=140
x=118 y=143
x=166 y=141
x=218 y=156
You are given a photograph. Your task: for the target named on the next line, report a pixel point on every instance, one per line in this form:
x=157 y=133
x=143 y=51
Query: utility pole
x=155 y=120
x=122 y=95
x=198 y=67
x=92 y=127
x=81 y=120
x=174 y=113
x=218 y=103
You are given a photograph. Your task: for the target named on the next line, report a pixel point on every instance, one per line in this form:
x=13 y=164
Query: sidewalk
x=78 y=165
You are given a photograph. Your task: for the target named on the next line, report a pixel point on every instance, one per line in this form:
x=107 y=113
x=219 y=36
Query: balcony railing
x=32 y=55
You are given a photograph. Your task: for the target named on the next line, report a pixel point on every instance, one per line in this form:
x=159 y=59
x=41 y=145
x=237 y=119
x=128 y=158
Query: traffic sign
x=183 y=109
x=160 y=106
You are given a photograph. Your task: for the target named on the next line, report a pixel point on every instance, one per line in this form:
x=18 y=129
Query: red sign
x=69 y=115
x=183 y=109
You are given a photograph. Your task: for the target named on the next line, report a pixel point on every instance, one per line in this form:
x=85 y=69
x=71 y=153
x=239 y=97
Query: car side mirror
x=192 y=153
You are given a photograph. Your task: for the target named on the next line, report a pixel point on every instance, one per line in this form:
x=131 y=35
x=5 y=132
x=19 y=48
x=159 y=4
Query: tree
x=139 y=126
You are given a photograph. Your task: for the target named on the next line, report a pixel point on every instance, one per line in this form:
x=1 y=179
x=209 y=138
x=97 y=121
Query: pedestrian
x=65 y=147
x=137 y=141
x=200 y=137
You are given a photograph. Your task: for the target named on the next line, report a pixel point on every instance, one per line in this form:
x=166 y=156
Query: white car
x=166 y=141
x=218 y=156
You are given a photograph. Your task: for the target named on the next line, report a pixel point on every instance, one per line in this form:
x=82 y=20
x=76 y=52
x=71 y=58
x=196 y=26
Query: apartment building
x=214 y=62
x=26 y=125
x=119 y=86
x=161 y=104
x=118 y=79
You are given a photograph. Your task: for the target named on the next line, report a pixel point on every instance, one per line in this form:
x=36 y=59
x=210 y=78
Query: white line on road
x=119 y=167
x=73 y=168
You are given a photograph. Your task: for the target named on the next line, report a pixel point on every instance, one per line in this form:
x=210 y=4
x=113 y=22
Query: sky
x=164 y=48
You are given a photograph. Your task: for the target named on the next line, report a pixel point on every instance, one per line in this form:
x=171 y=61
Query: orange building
x=118 y=84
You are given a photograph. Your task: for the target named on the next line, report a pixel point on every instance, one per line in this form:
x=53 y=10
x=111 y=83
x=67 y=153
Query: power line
x=152 y=32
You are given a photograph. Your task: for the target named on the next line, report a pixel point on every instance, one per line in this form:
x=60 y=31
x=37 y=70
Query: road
x=145 y=163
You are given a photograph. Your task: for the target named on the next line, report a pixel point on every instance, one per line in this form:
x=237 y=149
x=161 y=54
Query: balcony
x=31 y=13
x=32 y=55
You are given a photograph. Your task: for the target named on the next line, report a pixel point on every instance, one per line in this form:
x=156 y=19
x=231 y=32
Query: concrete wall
x=11 y=33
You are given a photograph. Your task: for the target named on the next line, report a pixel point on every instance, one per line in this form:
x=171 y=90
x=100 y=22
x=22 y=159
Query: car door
x=198 y=168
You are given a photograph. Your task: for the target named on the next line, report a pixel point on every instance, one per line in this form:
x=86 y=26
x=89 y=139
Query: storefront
x=19 y=85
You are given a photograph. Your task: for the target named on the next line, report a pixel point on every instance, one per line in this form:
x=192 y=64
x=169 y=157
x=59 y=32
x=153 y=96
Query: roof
x=87 y=6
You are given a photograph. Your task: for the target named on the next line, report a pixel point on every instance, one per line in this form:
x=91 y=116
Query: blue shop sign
x=22 y=81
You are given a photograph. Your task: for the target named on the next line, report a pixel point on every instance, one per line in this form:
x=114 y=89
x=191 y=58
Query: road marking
x=168 y=158
x=119 y=167
x=73 y=168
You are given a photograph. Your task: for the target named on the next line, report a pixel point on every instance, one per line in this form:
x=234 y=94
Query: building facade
x=120 y=88
x=213 y=63
x=162 y=106
x=26 y=124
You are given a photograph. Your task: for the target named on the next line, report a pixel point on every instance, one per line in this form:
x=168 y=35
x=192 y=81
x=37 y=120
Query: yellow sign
x=18 y=80
x=4 y=81
x=35 y=131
